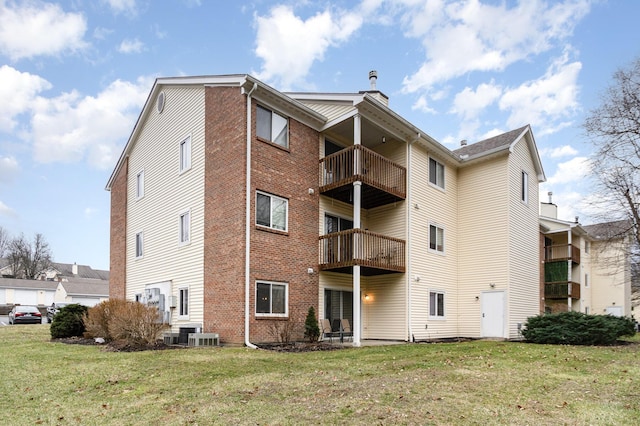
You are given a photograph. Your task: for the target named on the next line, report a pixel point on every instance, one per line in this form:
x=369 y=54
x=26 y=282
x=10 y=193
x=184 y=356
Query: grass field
x=478 y=382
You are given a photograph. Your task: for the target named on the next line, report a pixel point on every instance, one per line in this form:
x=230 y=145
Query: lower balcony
x=562 y=290
x=376 y=254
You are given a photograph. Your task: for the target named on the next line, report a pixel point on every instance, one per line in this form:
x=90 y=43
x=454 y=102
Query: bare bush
x=122 y=320
x=283 y=331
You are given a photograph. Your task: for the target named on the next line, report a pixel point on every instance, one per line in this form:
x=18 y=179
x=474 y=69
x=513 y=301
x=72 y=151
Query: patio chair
x=345 y=329
x=326 y=330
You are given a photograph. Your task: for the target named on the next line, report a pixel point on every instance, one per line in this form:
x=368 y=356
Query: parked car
x=54 y=309
x=25 y=314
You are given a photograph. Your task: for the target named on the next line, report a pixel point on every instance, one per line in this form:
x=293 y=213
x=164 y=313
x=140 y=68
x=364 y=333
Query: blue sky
x=74 y=76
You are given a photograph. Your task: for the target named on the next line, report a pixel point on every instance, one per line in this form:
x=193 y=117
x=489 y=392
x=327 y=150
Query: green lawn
x=480 y=382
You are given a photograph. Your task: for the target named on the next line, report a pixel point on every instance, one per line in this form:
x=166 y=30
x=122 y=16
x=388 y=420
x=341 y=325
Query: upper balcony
x=383 y=181
x=562 y=290
x=375 y=253
x=559 y=252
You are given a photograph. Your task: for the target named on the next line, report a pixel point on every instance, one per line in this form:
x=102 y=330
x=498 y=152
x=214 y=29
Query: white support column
x=569 y=274
x=357 y=243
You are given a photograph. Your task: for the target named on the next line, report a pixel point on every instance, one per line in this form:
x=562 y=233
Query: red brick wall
x=283 y=257
x=118 y=243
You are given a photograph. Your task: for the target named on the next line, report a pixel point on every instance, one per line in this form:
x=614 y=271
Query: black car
x=24 y=314
x=54 y=309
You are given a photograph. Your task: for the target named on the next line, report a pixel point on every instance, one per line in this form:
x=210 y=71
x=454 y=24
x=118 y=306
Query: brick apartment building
x=236 y=207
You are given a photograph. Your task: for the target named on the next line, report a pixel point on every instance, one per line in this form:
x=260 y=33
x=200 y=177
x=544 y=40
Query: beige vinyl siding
x=524 y=264
x=384 y=314
x=483 y=244
x=610 y=280
x=431 y=205
x=331 y=110
x=167 y=194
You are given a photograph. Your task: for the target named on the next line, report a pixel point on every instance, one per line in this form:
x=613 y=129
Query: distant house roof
x=84 y=271
x=609 y=230
x=28 y=284
x=86 y=287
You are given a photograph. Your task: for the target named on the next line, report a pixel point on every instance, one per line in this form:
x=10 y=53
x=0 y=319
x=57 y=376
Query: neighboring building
x=586 y=268
x=235 y=207
x=85 y=292
x=61 y=282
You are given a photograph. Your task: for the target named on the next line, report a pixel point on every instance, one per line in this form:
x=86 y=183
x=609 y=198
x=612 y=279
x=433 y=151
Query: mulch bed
x=300 y=347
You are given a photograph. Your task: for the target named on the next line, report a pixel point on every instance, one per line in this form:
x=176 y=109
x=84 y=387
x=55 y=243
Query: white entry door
x=492 y=314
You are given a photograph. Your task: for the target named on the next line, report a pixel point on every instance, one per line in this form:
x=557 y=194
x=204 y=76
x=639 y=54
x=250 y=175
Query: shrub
x=311 y=328
x=576 y=328
x=69 y=322
x=97 y=320
x=126 y=321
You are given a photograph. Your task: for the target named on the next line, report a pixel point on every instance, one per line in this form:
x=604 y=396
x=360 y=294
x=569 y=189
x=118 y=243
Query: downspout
x=409 y=204
x=247 y=224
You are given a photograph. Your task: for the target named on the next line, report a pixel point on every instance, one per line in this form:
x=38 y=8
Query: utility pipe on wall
x=247 y=231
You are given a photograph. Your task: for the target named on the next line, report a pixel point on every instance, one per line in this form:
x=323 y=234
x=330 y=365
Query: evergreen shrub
x=311 y=328
x=69 y=322
x=576 y=328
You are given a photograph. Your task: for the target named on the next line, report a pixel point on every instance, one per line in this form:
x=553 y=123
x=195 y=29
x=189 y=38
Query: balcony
x=562 y=252
x=383 y=181
x=562 y=290
x=375 y=253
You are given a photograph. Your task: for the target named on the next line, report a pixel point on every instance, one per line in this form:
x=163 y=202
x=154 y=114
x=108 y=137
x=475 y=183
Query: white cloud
x=461 y=37
x=21 y=88
x=72 y=127
x=131 y=46
x=574 y=170
x=545 y=102
x=30 y=29
x=558 y=152
x=122 y=6
x=289 y=45
x=6 y=210
x=469 y=103
x=89 y=212
x=9 y=168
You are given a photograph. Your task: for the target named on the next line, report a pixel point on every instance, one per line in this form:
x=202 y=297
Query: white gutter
x=247 y=230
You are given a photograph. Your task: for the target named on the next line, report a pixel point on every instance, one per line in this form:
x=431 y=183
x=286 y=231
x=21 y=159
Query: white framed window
x=587 y=246
x=436 y=304
x=436 y=238
x=524 y=193
x=271 y=211
x=185 y=154
x=586 y=280
x=586 y=310
x=140 y=184
x=139 y=244
x=272 y=299
x=183 y=302
x=272 y=127
x=436 y=173
x=185 y=227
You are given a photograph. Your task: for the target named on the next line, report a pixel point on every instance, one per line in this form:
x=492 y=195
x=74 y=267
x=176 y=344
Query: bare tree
x=614 y=130
x=4 y=241
x=29 y=258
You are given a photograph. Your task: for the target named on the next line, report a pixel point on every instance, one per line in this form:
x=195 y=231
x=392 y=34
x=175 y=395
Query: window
x=271 y=211
x=436 y=238
x=586 y=280
x=436 y=173
x=140 y=184
x=139 y=250
x=183 y=296
x=587 y=246
x=436 y=304
x=271 y=299
x=525 y=188
x=185 y=154
x=185 y=225
x=272 y=127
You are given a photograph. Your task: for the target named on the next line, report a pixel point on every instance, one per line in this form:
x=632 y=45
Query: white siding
x=436 y=271
x=384 y=314
x=168 y=193
x=483 y=237
x=524 y=250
